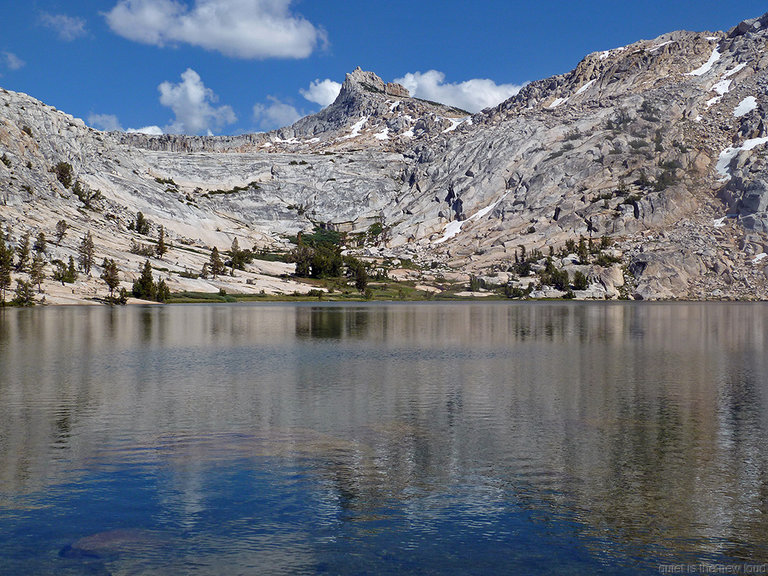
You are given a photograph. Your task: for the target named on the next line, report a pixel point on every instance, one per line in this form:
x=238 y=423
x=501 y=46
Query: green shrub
x=580 y=281
x=64 y=173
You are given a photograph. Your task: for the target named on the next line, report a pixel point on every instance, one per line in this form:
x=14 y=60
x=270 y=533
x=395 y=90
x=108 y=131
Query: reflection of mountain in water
x=644 y=424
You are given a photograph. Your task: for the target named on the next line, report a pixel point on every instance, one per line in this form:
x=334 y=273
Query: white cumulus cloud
x=151 y=130
x=67 y=27
x=275 y=115
x=191 y=102
x=110 y=123
x=472 y=95
x=105 y=122
x=322 y=92
x=238 y=28
x=11 y=61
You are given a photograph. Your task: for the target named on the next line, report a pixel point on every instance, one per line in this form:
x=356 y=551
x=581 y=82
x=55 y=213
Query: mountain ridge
x=657 y=145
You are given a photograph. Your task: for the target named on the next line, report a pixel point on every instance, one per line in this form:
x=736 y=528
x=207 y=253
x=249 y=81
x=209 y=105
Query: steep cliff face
x=660 y=145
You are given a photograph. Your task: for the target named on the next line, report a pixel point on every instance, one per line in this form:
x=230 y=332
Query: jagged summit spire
x=369 y=81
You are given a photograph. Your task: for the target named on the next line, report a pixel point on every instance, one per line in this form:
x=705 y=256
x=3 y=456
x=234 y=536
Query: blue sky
x=233 y=66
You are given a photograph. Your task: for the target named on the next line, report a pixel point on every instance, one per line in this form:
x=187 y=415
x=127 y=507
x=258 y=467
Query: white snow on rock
x=654 y=48
x=722 y=87
x=745 y=106
x=707 y=66
x=356 y=127
x=453 y=228
x=407 y=134
x=719 y=222
x=455 y=123
x=484 y=211
x=736 y=70
x=730 y=153
x=754 y=143
x=759 y=257
x=584 y=88
x=383 y=135
x=394 y=105
x=724 y=160
x=609 y=53
x=556 y=102
x=713 y=101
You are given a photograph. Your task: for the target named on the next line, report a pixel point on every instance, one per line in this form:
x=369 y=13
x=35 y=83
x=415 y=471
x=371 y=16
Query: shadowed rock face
x=651 y=144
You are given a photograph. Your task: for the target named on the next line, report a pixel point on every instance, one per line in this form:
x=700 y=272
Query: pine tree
x=60 y=273
x=302 y=255
x=110 y=275
x=161 y=248
x=234 y=254
x=85 y=253
x=61 y=230
x=71 y=271
x=25 y=296
x=583 y=251
x=41 y=245
x=142 y=224
x=144 y=287
x=37 y=272
x=22 y=252
x=361 y=277
x=215 y=265
x=6 y=265
x=162 y=293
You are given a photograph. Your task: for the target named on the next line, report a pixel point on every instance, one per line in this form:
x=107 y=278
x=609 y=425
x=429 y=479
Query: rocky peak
x=368 y=81
x=376 y=113
x=751 y=26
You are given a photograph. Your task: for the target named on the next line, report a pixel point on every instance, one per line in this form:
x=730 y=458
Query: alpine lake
x=384 y=438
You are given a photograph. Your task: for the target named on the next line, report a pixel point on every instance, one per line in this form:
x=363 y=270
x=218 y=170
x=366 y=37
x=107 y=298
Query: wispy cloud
x=252 y=29
x=472 y=95
x=322 y=92
x=11 y=61
x=276 y=114
x=67 y=27
x=191 y=103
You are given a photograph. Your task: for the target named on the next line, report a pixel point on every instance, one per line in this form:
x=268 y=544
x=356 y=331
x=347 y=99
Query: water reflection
x=638 y=430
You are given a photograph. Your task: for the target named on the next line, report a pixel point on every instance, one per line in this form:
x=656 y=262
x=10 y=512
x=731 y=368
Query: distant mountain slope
x=659 y=146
